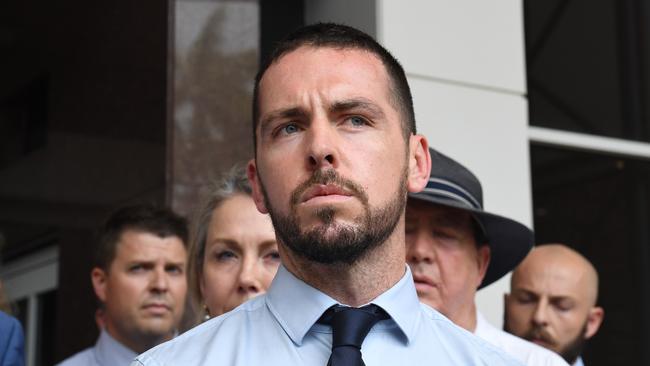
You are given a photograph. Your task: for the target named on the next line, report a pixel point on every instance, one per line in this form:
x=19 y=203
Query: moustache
x=329 y=177
x=541 y=334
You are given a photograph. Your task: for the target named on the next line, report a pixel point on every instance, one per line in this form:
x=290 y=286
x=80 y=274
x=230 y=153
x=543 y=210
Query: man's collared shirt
x=12 y=342
x=579 y=362
x=524 y=351
x=280 y=328
x=106 y=352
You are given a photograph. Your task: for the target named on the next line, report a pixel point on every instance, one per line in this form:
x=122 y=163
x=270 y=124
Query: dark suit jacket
x=12 y=351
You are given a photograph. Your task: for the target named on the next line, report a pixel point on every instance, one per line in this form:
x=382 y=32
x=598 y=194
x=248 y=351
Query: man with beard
x=336 y=154
x=552 y=301
x=139 y=278
x=454 y=247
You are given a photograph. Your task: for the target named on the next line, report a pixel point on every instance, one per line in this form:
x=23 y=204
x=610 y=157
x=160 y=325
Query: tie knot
x=350 y=326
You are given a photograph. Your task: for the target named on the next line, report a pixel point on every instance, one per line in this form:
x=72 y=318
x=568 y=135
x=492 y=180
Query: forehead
x=142 y=246
x=238 y=215
x=550 y=278
x=333 y=72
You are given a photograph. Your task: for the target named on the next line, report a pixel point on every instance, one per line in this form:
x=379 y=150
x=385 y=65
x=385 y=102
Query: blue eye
x=174 y=269
x=357 y=121
x=289 y=129
x=136 y=268
x=225 y=255
x=274 y=255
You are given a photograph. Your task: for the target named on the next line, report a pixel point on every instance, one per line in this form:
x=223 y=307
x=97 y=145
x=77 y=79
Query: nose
x=322 y=153
x=540 y=317
x=249 y=281
x=419 y=247
x=159 y=280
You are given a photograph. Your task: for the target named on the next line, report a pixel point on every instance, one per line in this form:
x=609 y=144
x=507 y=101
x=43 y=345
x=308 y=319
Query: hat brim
x=509 y=240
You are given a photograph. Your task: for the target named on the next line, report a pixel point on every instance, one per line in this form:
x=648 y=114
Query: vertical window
x=588 y=77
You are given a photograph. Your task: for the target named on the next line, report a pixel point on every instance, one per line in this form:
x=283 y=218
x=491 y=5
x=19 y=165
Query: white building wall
x=466 y=66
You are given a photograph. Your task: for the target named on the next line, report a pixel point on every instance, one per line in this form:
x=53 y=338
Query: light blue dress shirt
x=106 y=352
x=280 y=328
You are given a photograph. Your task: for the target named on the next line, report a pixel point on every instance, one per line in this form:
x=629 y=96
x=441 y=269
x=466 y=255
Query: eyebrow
x=268 y=243
x=525 y=291
x=230 y=243
x=359 y=103
x=356 y=103
x=551 y=297
x=288 y=113
x=148 y=263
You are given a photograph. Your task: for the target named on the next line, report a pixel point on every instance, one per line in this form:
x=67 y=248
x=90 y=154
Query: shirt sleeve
x=14 y=352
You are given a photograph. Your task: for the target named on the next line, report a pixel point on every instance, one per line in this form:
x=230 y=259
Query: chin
x=158 y=330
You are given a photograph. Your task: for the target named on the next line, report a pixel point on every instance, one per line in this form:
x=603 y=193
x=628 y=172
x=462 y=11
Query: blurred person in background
x=5 y=305
x=454 y=248
x=552 y=301
x=233 y=254
x=139 y=276
x=12 y=340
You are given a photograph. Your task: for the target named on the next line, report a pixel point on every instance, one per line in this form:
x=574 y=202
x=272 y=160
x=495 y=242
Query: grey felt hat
x=453 y=185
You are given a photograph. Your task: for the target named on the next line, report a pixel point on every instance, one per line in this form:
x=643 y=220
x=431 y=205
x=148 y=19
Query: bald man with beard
x=553 y=301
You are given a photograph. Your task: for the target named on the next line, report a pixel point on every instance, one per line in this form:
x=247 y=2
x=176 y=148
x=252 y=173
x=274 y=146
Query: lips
x=539 y=341
x=423 y=282
x=321 y=190
x=157 y=307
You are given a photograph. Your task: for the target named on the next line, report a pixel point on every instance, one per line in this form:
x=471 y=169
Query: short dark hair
x=342 y=37
x=147 y=218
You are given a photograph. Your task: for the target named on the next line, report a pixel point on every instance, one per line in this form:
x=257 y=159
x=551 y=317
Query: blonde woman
x=233 y=252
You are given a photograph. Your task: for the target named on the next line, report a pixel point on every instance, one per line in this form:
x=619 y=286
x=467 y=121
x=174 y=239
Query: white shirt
x=524 y=351
x=579 y=362
x=280 y=328
x=106 y=352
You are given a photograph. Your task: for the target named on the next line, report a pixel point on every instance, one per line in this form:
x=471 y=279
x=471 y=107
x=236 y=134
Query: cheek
x=453 y=269
x=460 y=275
x=219 y=280
x=518 y=316
x=126 y=294
x=128 y=288
x=179 y=286
x=267 y=276
x=278 y=188
x=569 y=323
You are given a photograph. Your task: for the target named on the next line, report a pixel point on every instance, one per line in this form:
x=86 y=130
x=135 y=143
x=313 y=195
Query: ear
x=482 y=261
x=254 y=180
x=594 y=320
x=419 y=163
x=98 y=277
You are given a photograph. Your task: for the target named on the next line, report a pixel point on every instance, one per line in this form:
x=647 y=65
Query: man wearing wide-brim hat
x=454 y=248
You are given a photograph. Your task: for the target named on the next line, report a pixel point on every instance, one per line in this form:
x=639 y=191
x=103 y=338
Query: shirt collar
x=288 y=293
x=111 y=352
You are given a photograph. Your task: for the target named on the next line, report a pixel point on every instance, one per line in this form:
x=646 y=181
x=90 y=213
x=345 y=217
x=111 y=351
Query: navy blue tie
x=349 y=328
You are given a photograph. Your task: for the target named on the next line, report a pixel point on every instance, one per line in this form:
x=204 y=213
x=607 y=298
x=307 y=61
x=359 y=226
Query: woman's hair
x=232 y=183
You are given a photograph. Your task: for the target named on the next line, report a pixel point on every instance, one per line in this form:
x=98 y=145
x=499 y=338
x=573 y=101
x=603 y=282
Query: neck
x=466 y=318
x=137 y=344
x=358 y=283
